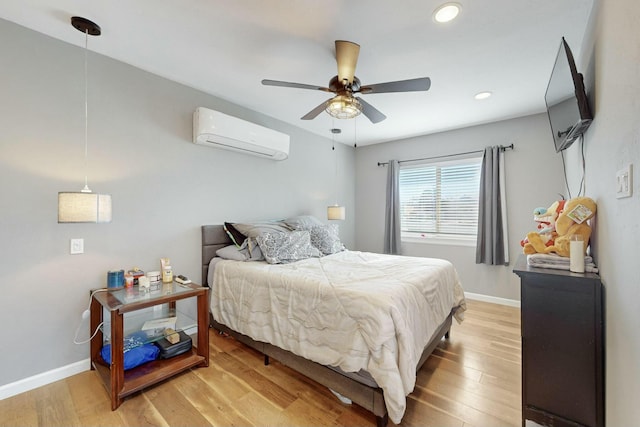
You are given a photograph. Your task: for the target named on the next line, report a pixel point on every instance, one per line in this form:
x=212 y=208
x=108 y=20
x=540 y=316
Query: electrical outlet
x=624 y=182
x=76 y=246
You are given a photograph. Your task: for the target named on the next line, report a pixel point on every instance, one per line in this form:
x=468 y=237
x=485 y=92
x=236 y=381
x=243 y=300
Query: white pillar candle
x=576 y=254
x=143 y=283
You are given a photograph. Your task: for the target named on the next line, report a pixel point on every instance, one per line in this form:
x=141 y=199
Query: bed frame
x=369 y=396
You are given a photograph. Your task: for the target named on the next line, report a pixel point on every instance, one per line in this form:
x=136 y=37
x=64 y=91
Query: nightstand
x=120 y=383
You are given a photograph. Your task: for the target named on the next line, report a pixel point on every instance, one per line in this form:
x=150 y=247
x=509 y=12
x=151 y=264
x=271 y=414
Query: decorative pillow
x=302 y=222
x=234 y=253
x=248 y=251
x=254 y=250
x=326 y=239
x=282 y=248
x=255 y=229
x=236 y=237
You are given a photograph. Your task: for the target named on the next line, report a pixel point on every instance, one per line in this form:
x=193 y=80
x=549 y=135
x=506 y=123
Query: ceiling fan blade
x=371 y=112
x=347 y=58
x=314 y=113
x=412 y=85
x=294 y=85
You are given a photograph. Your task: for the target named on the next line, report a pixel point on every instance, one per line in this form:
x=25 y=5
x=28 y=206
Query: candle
x=576 y=254
x=143 y=283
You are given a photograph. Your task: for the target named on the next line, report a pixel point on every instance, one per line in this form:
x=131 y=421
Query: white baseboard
x=44 y=378
x=495 y=300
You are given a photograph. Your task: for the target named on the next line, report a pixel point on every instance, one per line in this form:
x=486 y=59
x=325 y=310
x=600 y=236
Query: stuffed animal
x=571 y=220
x=545 y=236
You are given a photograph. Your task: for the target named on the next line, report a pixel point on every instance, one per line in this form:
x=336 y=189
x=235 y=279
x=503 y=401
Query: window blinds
x=440 y=198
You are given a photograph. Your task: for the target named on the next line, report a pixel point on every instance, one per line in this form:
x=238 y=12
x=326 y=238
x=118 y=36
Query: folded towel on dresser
x=558 y=262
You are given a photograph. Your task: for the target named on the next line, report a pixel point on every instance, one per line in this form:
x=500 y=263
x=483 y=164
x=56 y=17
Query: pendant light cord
x=86 y=113
x=355 y=133
x=335 y=156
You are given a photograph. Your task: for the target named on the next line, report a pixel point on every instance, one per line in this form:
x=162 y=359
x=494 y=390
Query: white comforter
x=355 y=310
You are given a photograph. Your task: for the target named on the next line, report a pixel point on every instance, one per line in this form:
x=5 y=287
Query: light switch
x=624 y=182
x=76 y=247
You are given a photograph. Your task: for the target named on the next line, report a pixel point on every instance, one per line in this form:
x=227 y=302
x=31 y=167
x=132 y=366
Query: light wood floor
x=471 y=380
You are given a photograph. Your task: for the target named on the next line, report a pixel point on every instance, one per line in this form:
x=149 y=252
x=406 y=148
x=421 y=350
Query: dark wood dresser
x=562 y=346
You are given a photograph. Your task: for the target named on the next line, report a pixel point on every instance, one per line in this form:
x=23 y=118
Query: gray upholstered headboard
x=213 y=238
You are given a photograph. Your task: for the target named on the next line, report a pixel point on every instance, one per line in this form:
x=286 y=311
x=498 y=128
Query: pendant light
x=83 y=205
x=335 y=212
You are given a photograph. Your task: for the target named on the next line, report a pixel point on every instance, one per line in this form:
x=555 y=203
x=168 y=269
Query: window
x=440 y=200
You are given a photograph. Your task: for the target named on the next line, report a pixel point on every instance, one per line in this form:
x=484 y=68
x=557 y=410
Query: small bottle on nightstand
x=167 y=274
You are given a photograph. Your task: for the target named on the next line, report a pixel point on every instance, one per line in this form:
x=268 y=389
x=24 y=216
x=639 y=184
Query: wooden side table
x=119 y=383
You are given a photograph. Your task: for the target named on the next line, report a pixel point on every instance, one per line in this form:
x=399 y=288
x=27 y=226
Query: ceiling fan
x=345 y=105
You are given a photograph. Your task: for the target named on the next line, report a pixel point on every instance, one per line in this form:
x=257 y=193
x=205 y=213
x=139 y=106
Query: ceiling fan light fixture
x=343 y=107
x=446 y=12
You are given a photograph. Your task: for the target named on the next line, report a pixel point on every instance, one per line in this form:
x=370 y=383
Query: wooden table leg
x=95 y=320
x=117 y=359
x=203 y=326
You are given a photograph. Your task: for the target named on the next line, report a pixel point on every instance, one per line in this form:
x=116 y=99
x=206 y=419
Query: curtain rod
x=502 y=148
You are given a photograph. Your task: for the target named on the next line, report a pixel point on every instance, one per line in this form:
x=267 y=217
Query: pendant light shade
x=84 y=206
x=336 y=212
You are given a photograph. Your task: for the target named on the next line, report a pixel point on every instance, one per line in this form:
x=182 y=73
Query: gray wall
x=163 y=186
x=140 y=129
x=612 y=64
x=534 y=178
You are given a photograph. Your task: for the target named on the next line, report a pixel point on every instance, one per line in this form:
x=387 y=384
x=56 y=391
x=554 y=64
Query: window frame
x=442 y=238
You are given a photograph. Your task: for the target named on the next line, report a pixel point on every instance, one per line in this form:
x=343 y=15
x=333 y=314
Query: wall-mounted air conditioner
x=219 y=130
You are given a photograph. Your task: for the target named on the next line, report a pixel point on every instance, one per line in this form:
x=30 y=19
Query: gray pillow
x=302 y=222
x=255 y=229
x=254 y=249
x=326 y=239
x=282 y=248
x=248 y=251
x=233 y=252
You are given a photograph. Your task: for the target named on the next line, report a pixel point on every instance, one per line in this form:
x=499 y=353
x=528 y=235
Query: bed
x=369 y=361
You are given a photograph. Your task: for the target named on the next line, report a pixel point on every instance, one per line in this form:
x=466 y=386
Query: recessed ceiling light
x=446 y=12
x=482 y=95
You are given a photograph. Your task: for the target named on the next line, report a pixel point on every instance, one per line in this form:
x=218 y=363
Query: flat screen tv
x=566 y=100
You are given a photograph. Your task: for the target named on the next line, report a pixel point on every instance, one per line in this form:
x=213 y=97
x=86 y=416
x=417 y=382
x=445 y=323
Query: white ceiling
x=226 y=48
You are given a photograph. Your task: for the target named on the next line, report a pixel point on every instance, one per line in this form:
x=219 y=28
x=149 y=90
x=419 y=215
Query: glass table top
x=134 y=298
x=135 y=294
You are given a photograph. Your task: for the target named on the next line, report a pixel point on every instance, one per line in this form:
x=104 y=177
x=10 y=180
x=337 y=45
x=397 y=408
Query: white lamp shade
x=336 y=212
x=84 y=207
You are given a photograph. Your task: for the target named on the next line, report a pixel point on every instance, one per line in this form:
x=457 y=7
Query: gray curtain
x=392 y=216
x=492 y=244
